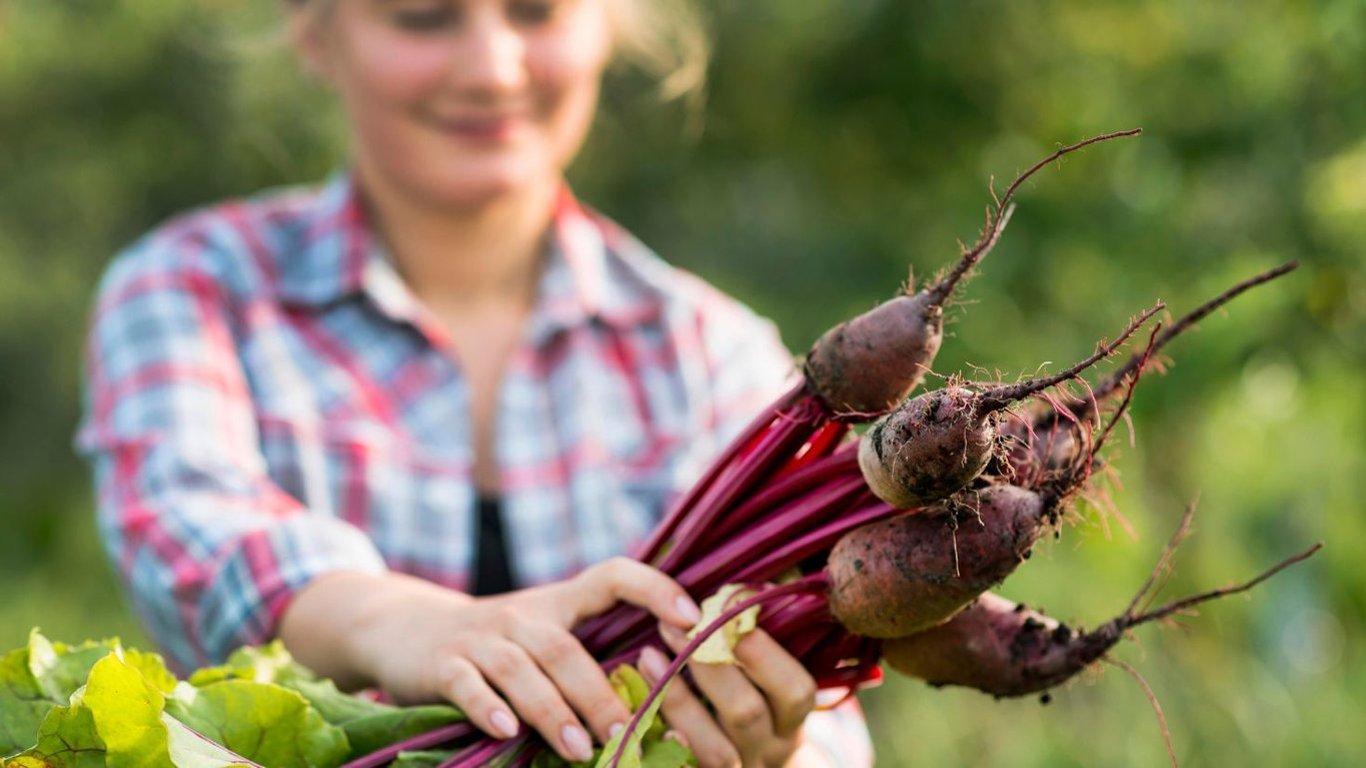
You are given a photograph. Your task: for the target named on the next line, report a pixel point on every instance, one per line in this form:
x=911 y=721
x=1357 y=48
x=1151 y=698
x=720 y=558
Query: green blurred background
x=843 y=142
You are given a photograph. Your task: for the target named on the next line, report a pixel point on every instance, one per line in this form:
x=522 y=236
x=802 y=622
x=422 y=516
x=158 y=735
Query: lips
x=483 y=128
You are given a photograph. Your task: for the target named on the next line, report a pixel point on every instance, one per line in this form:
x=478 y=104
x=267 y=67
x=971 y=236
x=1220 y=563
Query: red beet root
x=865 y=366
x=939 y=442
x=998 y=647
x=895 y=577
x=1004 y=649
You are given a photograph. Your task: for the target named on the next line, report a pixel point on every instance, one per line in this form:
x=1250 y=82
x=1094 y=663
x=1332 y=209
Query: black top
x=492 y=572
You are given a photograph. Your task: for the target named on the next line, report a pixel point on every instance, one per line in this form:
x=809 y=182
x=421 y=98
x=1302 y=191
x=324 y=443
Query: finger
x=624 y=580
x=459 y=681
x=687 y=715
x=535 y=698
x=741 y=708
x=789 y=688
x=576 y=674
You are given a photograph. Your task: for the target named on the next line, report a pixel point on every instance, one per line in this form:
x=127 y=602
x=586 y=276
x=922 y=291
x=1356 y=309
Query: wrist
x=387 y=612
x=336 y=624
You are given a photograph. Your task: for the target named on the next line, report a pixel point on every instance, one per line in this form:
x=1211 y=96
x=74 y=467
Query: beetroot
x=1005 y=649
x=995 y=646
x=865 y=366
x=892 y=578
x=939 y=442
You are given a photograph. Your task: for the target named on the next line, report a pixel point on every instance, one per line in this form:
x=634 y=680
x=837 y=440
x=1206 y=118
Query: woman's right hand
x=490 y=656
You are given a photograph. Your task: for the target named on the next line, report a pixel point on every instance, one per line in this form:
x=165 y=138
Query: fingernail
x=672 y=635
x=653 y=664
x=687 y=609
x=576 y=742
x=614 y=729
x=676 y=736
x=504 y=724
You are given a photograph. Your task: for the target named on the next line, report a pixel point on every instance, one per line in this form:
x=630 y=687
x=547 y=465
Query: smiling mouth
x=486 y=129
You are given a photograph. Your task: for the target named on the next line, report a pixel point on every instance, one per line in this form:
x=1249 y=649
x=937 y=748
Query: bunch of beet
x=884 y=547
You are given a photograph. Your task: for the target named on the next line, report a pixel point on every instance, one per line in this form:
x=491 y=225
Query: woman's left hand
x=760 y=704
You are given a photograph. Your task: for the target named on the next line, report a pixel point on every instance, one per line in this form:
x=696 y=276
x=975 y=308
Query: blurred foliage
x=843 y=142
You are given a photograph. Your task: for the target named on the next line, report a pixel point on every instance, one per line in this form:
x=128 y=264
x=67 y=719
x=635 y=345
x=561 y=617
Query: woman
x=297 y=402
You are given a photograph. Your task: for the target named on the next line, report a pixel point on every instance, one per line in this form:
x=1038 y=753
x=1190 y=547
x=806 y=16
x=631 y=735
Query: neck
x=469 y=257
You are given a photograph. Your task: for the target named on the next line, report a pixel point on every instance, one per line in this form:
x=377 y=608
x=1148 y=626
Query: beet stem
x=997 y=219
x=778 y=494
x=1128 y=394
x=1116 y=379
x=996 y=224
x=1000 y=397
x=431 y=738
x=774 y=447
x=821 y=540
x=1080 y=470
x=483 y=753
x=1186 y=602
x=736 y=561
x=666 y=528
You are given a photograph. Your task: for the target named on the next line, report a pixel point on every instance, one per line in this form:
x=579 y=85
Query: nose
x=490 y=55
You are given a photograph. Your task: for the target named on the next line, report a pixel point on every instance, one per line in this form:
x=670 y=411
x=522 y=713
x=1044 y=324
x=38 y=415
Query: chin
x=471 y=187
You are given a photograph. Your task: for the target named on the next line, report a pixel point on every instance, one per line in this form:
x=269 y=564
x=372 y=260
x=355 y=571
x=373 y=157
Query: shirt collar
x=593 y=269
x=334 y=246
x=592 y=272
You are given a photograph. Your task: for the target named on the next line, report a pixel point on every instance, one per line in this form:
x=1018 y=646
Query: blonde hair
x=666 y=39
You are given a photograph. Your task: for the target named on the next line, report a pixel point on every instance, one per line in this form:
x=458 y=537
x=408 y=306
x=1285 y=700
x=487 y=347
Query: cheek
x=568 y=74
x=384 y=72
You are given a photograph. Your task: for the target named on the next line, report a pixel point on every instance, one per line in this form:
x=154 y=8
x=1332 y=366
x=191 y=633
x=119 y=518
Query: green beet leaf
x=127 y=714
x=70 y=740
x=23 y=705
x=370 y=725
x=60 y=668
x=262 y=722
x=114 y=721
x=548 y=759
x=630 y=686
x=632 y=689
x=667 y=753
x=192 y=750
x=152 y=667
x=44 y=674
x=269 y=663
x=38 y=677
x=634 y=752
x=67 y=739
x=646 y=746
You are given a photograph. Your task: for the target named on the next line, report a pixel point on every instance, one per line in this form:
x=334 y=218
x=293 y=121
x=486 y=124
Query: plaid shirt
x=267 y=401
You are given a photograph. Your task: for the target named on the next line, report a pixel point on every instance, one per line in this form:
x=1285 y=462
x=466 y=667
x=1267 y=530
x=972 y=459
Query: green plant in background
x=843 y=143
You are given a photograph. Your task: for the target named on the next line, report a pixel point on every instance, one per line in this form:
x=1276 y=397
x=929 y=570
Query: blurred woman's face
x=461 y=101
